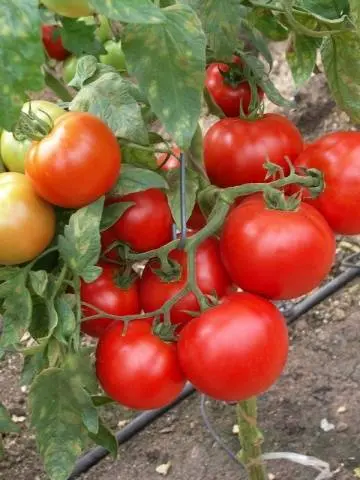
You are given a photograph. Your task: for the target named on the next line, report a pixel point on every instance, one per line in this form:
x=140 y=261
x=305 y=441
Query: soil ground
x=321 y=381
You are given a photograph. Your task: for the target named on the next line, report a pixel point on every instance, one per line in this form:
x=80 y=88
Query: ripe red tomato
x=235 y=350
x=107 y=294
x=172 y=162
x=236 y=149
x=229 y=97
x=147 y=224
x=337 y=155
x=108 y=237
x=76 y=163
x=54 y=47
x=211 y=278
x=138 y=369
x=276 y=254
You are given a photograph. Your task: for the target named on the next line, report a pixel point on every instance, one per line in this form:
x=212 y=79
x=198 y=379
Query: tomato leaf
x=81 y=369
x=141 y=11
x=33 y=364
x=137 y=157
x=106 y=439
x=258 y=41
x=109 y=97
x=331 y=10
x=168 y=60
x=268 y=24
x=40 y=320
x=112 y=213
x=79 y=38
x=17 y=315
x=174 y=194
x=341 y=60
x=91 y=273
x=100 y=400
x=57 y=419
x=21 y=56
x=39 y=281
x=134 y=179
x=80 y=244
x=67 y=321
x=302 y=59
x=6 y=424
x=355 y=12
x=88 y=69
x=221 y=23
x=89 y=412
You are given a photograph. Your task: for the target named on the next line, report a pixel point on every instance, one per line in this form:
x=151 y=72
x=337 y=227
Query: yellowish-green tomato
x=69 y=68
x=69 y=8
x=103 y=32
x=114 y=56
x=13 y=151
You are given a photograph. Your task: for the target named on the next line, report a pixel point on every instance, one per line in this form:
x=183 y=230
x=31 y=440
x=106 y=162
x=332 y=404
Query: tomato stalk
x=250 y=439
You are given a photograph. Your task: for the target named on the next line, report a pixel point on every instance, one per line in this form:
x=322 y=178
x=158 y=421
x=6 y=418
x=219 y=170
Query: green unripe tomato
x=13 y=151
x=114 y=56
x=69 y=68
x=103 y=31
x=69 y=8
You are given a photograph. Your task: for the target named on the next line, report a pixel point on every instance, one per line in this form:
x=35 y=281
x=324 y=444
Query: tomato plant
x=53 y=43
x=27 y=222
x=103 y=30
x=230 y=93
x=235 y=149
x=152 y=381
x=150 y=214
x=67 y=172
x=13 y=151
x=337 y=156
x=111 y=293
x=69 y=8
x=235 y=350
x=212 y=279
x=271 y=252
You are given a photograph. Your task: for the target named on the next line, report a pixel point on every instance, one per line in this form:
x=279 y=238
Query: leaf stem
x=250 y=439
x=56 y=85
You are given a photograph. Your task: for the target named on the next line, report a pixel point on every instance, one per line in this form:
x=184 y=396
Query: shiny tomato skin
x=27 y=222
x=236 y=149
x=105 y=294
x=69 y=169
x=235 y=350
x=108 y=237
x=229 y=98
x=172 y=162
x=147 y=224
x=337 y=155
x=276 y=254
x=137 y=369
x=54 y=47
x=211 y=278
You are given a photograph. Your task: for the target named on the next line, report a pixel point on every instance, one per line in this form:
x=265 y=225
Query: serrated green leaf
x=91 y=273
x=138 y=158
x=302 y=59
x=134 y=179
x=110 y=99
x=21 y=57
x=38 y=281
x=141 y=11
x=106 y=439
x=173 y=193
x=33 y=364
x=17 y=316
x=6 y=424
x=80 y=367
x=221 y=23
x=168 y=61
x=88 y=69
x=268 y=24
x=79 y=38
x=355 y=12
x=112 y=213
x=66 y=318
x=89 y=413
x=341 y=60
x=80 y=245
x=57 y=419
x=7 y=273
x=328 y=9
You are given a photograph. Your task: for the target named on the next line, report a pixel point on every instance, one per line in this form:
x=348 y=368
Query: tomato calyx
x=169 y=271
x=165 y=331
x=31 y=126
x=276 y=200
x=125 y=279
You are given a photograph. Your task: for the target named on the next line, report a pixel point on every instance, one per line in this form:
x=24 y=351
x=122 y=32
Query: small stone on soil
x=342 y=409
x=342 y=427
x=235 y=429
x=326 y=426
x=163 y=469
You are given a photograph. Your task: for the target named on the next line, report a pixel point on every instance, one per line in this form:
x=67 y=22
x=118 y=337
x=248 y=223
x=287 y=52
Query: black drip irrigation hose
x=140 y=422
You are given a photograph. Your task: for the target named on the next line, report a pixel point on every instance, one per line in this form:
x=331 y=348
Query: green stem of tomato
x=56 y=86
x=250 y=439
